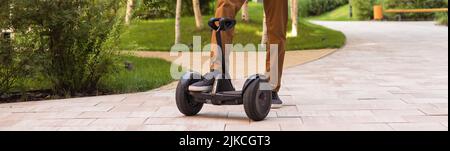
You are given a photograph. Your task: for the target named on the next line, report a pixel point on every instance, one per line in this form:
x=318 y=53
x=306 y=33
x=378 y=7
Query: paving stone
x=426 y=119
x=16 y=109
x=94 y=128
x=158 y=128
x=41 y=123
x=351 y=113
x=8 y=122
x=168 y=112
x=403 y=112
x=87 y=109
x=3 y=115
x=435 y=111
x=343 y=127
x=141 y=114
x=118 y=122
x=262 y=127
x=354 y=119
x=418 y=127
x=29 y=128
x=445 y=124
x=133 y=108
x=77 y=122
x=103 y=115
x=440 y=105
x=198 y=120
x=278 y=121
x=61 y=115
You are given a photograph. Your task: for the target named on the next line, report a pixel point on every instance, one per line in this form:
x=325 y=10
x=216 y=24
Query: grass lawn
x=159 y=35
x=146 y=74
x=339 y=14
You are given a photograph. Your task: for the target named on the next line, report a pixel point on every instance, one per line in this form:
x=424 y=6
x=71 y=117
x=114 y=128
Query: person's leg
x=277 y=19
x=225 y=9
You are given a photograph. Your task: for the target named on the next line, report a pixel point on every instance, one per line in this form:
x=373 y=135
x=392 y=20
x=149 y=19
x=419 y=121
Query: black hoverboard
x=257 y=101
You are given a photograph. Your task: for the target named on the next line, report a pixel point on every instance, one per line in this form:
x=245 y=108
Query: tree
x=294 y=17
x=197 y=14
x=245 y=14
x=177 y=22
x=264 y=35
x=130 y=6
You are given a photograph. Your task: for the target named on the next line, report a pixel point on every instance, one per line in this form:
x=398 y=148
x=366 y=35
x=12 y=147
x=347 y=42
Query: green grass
x=147 y=74
x=38 y=82
x=339 y=14
x=159 y=35
x=316 y=37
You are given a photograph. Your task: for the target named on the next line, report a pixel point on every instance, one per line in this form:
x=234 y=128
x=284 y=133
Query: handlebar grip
x=224 y=23
x=212 y=23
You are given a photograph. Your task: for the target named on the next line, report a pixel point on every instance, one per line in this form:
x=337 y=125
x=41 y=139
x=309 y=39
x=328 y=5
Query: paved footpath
x=390 y=76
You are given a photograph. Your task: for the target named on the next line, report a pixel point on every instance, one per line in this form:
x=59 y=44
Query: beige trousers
x=277 y=19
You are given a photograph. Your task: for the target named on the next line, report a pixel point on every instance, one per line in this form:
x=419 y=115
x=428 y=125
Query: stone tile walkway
x=390 y=76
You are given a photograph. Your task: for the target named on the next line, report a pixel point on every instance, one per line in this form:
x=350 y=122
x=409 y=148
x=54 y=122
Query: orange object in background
x=378 y=12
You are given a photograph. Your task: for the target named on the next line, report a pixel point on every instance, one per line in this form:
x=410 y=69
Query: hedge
x=363 y=9
x=318 y=7
x=150 y=9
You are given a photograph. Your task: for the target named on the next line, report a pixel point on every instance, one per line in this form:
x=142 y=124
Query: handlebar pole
x=222 y=51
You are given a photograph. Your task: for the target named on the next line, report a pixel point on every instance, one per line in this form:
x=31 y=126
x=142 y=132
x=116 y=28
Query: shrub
x=414 y=4
x=318 y=7
x=149 y=9
x=14 y=63
x=303 y=8
x=9 y=67
x=363 y=9
x=442 y=18
x=73 y=39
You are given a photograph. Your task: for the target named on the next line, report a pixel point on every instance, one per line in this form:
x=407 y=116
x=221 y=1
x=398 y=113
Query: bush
x=414 y=4
x=363 y=9
x=442 y=18
x=9 y=67
x=318 y=7
x=303 y=8
x=73 y=40
x=150 y=9
x=14 y=63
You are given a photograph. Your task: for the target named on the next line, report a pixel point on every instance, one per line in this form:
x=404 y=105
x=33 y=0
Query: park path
x=390 y=76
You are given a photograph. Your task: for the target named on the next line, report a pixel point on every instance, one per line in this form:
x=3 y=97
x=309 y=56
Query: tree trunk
x=177 y=23
x=198 y=14
x=294 y=17
x=245 y=14
x=130 y=5
x=264 y=35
